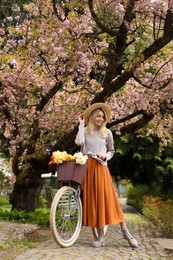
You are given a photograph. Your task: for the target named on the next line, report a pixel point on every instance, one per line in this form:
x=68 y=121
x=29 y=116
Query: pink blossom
x=11 y=43
x=16 y=9
x=21 y=42
x=9 y=18
x=118 y=132
x=2 y=32
x=32 y=8
x=17 y=18
x=13 y=142
x=171 y=5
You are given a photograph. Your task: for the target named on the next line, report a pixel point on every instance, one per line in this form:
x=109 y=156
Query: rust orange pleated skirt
x=100 y=203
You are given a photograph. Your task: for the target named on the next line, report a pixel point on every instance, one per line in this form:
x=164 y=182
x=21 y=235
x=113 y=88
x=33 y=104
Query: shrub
x=4 y=200
x=135 y=195
x=39 y=217
x=42 y=202
x=159 y=212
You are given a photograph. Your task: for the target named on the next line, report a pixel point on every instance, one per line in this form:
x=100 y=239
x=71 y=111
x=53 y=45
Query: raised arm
x=80 y=137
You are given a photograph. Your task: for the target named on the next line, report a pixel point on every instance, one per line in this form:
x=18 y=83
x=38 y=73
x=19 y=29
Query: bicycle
x=66 y=207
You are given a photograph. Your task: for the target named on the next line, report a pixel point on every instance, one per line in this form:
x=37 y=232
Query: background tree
x=65 y=55
x=140 y=160
x=8 y=7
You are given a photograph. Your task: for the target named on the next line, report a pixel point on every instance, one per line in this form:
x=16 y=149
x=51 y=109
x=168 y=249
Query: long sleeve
x=80 y=137
x=110 y=146
x=94 y=143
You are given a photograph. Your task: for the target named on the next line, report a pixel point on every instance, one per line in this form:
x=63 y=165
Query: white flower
x=80 y=158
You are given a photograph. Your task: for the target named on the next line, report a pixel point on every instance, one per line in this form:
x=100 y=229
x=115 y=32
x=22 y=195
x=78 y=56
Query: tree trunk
x=25 y=196
x=28 y=185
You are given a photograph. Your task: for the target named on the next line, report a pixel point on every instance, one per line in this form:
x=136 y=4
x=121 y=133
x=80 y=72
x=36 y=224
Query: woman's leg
x=126 y=234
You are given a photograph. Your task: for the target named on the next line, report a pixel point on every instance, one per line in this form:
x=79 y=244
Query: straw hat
x=95 y=106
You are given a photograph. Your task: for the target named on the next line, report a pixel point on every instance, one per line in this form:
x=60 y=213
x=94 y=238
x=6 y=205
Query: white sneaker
x=132 y=241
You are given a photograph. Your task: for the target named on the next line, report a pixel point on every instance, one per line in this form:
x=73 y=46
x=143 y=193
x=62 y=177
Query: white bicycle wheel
x=94 y=231
x=66 y=216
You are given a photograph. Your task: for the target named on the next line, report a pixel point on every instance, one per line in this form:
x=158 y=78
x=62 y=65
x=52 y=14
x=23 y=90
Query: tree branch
x=133 y=127
x=98 y=22
x=121 y=44
x=45 y=99
x=124 y=119
x=160 y=70
x=35 y=125
x=110 y=86
x=58 y=14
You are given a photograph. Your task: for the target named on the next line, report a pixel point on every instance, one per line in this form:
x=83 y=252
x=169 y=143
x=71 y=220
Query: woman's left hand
x=102 y=156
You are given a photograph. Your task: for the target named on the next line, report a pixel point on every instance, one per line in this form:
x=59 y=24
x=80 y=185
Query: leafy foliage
x=142 y=161
x=135 y=195
x=4 y=200
x=39 y=217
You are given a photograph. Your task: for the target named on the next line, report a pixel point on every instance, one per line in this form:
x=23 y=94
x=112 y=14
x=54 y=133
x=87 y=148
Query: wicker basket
x=71 y=171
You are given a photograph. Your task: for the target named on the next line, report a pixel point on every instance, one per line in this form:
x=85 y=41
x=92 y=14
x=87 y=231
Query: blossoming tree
x=62 y=56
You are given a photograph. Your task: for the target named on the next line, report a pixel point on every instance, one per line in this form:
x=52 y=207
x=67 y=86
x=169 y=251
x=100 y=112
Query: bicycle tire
x=66 y=216
x=95 y=234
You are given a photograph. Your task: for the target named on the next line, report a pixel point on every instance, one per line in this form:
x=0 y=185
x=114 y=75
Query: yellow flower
x=59 y=157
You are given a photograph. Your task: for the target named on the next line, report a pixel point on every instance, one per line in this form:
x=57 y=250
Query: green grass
x=22 y=244
x=135 y=219
x=12 y=248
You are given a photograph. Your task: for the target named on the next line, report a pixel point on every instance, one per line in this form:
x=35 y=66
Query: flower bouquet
x=70 y=167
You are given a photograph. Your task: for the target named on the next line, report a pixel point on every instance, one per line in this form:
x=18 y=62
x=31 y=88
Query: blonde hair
x=90 y=126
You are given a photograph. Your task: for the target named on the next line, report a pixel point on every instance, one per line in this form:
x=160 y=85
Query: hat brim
x=95 y=106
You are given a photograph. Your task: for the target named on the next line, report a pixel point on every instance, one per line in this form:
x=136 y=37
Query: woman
x=100 y=203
